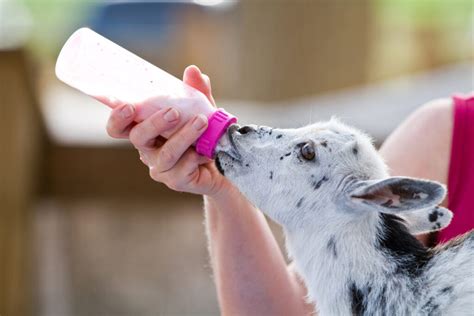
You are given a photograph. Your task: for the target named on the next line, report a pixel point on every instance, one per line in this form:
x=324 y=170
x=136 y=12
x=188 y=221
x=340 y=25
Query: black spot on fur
x=410 y=255
x=219 y=166
x=430 y=307
x=331 y=246
x=447 y=289
x=357 y=300
x=317 y=185
x=383 y=298
x=271 y=175
x=279 y=136
x=298 y=204
x=247 y=165
x=433 y=216
x=324 y=143
x=355 y=150
x=287 y=154
x=281 y=158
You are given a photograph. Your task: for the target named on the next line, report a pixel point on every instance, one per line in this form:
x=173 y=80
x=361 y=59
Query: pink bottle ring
x=218 y=123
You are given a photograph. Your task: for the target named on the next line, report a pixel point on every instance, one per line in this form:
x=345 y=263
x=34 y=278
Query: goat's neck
x=332 y=257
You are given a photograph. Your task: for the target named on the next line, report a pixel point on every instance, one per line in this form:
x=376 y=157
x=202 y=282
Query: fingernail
x=171 y=115
x=199 y=122
x=127 y=111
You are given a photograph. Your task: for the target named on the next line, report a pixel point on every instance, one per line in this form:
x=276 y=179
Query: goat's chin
x=230 y=166
x=217 y=161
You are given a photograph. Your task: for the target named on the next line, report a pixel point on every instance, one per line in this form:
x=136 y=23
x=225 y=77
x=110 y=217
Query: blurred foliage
x=53 y=21
x=415 y=35
x=428 y=13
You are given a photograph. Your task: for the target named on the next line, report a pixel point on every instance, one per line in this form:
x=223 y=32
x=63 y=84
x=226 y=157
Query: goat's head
x=325 y=173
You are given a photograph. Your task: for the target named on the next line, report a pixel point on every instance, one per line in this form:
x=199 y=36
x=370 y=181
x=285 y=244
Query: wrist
x=225 y=191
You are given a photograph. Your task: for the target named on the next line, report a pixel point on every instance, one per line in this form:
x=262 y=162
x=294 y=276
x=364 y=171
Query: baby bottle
x=102 y=69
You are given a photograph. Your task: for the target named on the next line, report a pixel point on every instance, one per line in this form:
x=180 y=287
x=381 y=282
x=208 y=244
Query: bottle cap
x=218 y=123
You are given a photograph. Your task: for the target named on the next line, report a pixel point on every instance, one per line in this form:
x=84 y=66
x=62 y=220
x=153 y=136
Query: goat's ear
x=397 y=194
x=427 y=220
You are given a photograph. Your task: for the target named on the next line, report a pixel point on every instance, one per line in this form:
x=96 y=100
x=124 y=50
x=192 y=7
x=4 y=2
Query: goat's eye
x=307 y=151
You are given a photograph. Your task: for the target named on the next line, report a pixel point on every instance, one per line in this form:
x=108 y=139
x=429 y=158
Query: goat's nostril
x=233 y=128
x=245 y=129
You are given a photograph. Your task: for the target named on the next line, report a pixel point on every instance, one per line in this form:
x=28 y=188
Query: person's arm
x=421 y=146
x=250 y=272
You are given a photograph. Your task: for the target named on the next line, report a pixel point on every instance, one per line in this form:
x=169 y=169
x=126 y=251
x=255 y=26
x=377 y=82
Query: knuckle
x=166 y=157
x=155 y=174
x=111 y=130
x=178 y=187
x=181 y=139
x=193 y=176
x=144 y=159
x=157 y=123
x=135 y=137
x=187 y=138
x=175 y=185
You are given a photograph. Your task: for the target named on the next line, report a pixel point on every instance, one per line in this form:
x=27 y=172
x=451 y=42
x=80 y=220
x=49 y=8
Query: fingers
x=185 y=173
x=109 y=101
x=193 y=77
x=177 y=144
x=166 y=157
x=121 y=121
x=143 y=136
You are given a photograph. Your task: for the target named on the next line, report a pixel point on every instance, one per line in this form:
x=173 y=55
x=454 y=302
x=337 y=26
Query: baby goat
x=349 y=226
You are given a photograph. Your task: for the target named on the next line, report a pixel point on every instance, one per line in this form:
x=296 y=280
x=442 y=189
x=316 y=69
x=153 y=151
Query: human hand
x=173 y=162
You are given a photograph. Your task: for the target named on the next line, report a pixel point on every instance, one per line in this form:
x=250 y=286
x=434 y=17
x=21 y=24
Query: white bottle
x=102 y=69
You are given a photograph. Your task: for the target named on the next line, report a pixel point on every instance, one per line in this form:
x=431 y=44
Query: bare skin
x=251 y=275
x=421 y=146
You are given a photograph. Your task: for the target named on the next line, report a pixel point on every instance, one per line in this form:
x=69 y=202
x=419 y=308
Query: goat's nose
x=233 y=128
x=246 y=129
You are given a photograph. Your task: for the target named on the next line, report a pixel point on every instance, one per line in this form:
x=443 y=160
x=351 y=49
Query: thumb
x=195 y=78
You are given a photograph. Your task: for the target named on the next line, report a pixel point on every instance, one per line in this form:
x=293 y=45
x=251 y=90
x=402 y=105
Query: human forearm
x=250 y=272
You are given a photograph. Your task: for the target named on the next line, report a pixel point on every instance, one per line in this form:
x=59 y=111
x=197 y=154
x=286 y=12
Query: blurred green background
x=84 y=231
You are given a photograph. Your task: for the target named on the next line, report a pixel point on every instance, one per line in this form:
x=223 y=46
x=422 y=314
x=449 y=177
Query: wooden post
x=298 y=48
x=19 y=142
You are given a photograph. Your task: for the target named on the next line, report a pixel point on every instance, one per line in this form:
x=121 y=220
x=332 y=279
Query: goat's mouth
x=227 y=145
x=227 y=152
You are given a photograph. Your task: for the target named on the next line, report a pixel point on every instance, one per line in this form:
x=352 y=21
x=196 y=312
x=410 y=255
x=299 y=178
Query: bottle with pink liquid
x=102 y=69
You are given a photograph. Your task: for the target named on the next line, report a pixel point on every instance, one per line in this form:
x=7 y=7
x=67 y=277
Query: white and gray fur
x=348 y=225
